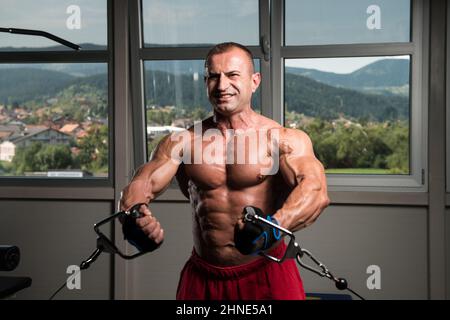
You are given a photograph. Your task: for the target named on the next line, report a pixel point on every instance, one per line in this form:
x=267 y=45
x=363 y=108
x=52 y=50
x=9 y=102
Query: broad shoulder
x=171 y=145
x=290 y=141
x=268 y=124
x=295 y=142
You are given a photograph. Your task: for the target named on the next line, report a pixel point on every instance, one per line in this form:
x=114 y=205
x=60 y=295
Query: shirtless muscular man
x=272 y=169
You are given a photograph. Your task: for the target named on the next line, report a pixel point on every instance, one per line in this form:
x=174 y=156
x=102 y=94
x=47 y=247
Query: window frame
x=140 y=54
x=447 y=106
x=412 y=187
x=417 y=48
x=89 y=56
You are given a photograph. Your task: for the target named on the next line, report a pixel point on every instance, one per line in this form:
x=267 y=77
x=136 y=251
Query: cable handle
x=106 y=245
x=294 y=250
x=134 y=210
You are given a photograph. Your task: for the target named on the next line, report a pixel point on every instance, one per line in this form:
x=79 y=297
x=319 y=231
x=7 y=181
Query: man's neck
x=242 y=120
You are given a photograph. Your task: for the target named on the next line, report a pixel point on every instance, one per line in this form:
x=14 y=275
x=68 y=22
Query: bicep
x=162 y=167
x=297 y=161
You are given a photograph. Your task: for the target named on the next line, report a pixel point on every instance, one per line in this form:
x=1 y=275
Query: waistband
x=235 y=271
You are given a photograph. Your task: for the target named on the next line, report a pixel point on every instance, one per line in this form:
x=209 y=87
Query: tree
x=40 y=157
x=93 y=154
x=52 y=157
x=198 y=114
x=24 y=158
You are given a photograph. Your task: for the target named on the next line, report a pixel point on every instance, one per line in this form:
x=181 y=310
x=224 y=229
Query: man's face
x=231 y=82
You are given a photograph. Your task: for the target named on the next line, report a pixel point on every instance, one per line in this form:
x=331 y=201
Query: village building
x=32 y=134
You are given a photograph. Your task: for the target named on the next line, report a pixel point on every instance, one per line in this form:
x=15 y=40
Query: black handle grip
x=134 y=211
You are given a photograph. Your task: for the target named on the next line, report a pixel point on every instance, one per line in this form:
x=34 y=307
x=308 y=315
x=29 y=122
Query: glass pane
x=54 y=120
x=356 y=111
x=175 y=97
x=320 y=22
x=200 y=22
x=82 y=22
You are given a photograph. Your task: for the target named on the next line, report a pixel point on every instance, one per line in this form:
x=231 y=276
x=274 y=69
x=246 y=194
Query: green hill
x=18 y=85
x=303 y=94
x=84 y=97
x=387 y=76
x=316 y=99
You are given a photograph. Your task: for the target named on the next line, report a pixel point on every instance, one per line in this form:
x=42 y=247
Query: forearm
x=149 y=181
x=307 y=199
x=137 y=191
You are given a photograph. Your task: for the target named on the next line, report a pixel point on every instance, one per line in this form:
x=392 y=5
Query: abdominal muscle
x=215 y=215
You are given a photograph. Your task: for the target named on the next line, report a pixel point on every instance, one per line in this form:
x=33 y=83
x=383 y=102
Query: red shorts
x=261 y=279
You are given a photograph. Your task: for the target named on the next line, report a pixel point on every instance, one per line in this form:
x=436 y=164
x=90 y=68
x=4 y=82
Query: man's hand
x=134 y=193
x=150 y=225
x=145 y=232
x=252 y=237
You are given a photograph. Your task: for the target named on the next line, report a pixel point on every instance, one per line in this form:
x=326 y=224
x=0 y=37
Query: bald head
x=226 y=47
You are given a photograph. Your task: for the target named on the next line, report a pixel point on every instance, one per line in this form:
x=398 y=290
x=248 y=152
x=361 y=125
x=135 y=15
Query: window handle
x=265 y=46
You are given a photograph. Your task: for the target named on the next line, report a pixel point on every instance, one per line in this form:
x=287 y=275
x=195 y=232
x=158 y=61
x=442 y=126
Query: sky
x=52 y=16
x=337 y=65
x=201 y=21
x=313 y=22
x=212 y=21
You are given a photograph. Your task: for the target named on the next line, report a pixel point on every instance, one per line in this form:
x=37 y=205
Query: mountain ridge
x=303 y=94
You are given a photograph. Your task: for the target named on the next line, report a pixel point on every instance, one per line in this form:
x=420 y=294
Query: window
x=447 y=125
x=353 y=80
x=175 y=97
x=176 y=37
x=54 y=101
x=356 y=111
x=82 y=22
x=309 y=22
x=353 y=75
x=179 y=23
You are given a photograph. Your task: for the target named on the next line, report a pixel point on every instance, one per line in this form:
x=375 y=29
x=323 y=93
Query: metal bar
x=123 y=145
x=41 y=34
x=277 y=63
x=53 y=56
x=137 y=86
x=62 y=191
x=436 y=151
x=348 y=50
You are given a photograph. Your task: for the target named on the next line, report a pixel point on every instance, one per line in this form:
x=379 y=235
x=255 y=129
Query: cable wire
x=64 y=284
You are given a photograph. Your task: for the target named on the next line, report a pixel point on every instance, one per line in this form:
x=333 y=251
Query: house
x=70 y=128
x=7 y=151
x=153 y=131
x=182 y=123
x=8 y=131
x=44 y=135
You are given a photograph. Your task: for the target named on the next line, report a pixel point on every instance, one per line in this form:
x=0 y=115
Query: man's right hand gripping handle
x=256 y=236
x=144 y=232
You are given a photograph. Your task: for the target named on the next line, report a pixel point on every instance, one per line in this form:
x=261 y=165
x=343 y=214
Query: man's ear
x=256 y=80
